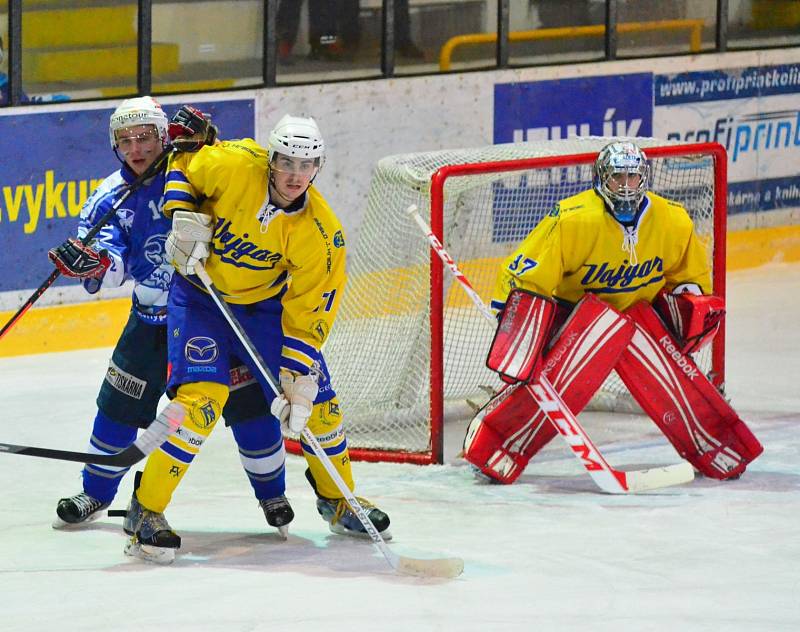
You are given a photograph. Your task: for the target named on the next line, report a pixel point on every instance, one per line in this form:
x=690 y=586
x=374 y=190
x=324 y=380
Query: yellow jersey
x=579 y=247
x=260 y=251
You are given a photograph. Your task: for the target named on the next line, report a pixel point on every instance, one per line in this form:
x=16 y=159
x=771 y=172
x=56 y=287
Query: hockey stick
x=104 y=219
x=607 y=478
x=156 y=433
x=450 y=567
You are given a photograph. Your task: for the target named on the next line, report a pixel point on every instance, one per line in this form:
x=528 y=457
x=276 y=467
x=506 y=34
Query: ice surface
x=548 y=553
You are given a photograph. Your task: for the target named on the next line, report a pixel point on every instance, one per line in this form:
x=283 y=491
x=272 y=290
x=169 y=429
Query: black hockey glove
x=75 y=259
x=190 y=129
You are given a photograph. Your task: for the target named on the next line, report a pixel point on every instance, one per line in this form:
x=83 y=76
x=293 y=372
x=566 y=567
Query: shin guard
x=682 y=402
x=511 y=428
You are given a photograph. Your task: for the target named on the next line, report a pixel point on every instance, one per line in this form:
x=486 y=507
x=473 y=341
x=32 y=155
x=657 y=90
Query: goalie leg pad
x=511 y=428
x=506 y=433
x=586 y=348
x=682 y=402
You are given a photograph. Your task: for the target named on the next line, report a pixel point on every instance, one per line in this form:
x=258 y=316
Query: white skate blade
x=60 y=524
x=338 y=529
x=283 y=531
x=153 y=554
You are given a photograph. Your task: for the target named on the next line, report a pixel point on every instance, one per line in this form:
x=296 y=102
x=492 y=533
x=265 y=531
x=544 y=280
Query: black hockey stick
x=165 y=423
x=126 y=458
x=133 y=186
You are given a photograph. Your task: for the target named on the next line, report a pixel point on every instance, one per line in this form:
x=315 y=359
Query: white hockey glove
x=188 y=241
x=293 y=408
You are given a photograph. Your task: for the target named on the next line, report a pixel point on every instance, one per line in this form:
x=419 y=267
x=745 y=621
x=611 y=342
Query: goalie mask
x=621 y=178
x=138 y=111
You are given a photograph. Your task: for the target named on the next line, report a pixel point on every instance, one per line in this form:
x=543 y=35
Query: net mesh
x=379 y=348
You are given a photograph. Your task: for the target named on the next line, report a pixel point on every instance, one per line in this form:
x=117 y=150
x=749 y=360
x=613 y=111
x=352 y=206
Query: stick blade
x=659 y=477
x=447 y=568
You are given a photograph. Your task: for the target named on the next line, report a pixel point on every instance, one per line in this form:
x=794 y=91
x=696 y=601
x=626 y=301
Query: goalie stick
x=607 y=478
x=446 y=567
x=104 y=219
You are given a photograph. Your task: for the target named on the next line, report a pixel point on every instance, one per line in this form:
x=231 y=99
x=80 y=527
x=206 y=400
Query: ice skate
x=278 y=513
x=342 y=521
x=152 y=539
x=77 y=510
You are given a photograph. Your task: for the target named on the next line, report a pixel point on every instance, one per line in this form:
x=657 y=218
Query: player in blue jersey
x=276 y=251
x=131 y=246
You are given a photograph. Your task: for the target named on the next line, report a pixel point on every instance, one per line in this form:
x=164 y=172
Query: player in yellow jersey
x=627 y=267
x=276 y=251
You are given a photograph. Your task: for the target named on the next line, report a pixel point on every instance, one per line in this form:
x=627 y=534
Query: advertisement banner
x=52 y=162
x=755 y=113
x=615 y=105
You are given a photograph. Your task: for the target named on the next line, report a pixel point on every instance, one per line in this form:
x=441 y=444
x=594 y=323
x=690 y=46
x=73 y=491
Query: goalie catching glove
x=77 y=260
x=189 y=241
x=190 y=129
x=293 y=407
x=693 y=318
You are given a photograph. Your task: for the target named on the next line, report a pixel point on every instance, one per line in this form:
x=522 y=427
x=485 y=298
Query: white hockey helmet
x=297 y=136
x=621 y=157
x=138 y=111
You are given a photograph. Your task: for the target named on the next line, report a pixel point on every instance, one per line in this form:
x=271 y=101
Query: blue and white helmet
x=138 y=111
x=297 y=136
x=621 y=157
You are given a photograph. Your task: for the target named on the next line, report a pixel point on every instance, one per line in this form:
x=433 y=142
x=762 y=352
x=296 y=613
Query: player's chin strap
x=447 y=568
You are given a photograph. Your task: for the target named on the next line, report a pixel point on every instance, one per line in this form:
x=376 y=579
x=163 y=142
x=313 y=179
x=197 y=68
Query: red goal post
x=407 y=350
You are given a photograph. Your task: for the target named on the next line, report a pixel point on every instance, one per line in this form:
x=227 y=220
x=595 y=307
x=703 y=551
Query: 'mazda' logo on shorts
x=624 y=277
x=241 y=252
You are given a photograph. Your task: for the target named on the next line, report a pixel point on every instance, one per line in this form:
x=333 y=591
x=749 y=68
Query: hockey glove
x=188 y=243
x=75 y=259
x=293 y=408
x=190 y=129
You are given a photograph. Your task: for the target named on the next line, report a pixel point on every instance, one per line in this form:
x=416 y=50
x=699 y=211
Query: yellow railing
x=694 y=27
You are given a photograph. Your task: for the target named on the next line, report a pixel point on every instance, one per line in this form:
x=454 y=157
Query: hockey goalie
x=614 y=278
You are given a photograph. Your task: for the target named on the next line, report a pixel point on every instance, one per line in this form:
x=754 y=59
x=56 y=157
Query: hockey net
x=408 y=347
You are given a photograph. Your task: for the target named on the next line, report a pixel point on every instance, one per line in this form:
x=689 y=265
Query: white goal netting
x=379 y=352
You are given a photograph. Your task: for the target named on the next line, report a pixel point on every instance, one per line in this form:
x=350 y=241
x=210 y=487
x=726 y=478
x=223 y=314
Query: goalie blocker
x=595 y=339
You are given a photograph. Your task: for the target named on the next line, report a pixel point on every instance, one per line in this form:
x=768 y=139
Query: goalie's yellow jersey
x=260 y=251
x=579 y=247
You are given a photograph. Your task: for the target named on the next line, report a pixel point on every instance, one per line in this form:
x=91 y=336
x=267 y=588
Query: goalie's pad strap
x=521 y=335
x=511 y=428
x=682 y=402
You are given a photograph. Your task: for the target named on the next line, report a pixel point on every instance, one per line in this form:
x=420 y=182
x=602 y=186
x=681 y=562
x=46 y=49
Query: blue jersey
x=135 y=239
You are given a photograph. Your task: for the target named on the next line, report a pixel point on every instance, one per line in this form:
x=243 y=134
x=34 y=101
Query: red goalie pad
x=694 y=319
x=521 y=335
x=511 y=428
x=682 y=402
